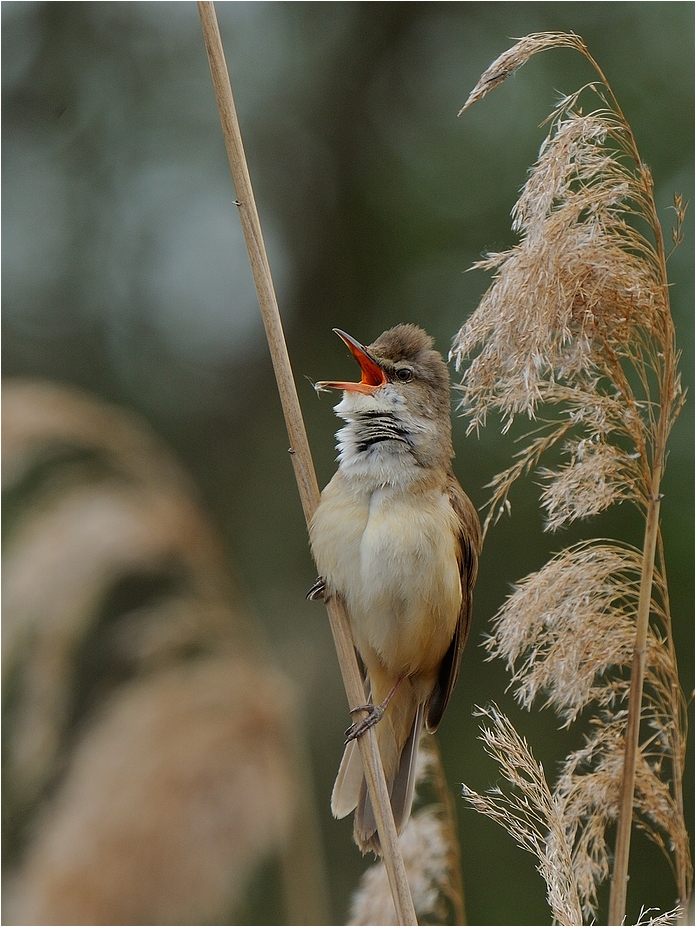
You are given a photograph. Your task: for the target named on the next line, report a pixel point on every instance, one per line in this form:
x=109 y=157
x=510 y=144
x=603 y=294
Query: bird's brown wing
x=469 y=547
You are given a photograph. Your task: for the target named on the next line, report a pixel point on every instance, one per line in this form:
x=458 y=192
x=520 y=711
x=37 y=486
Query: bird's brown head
x=402 y=357
x=405 y=378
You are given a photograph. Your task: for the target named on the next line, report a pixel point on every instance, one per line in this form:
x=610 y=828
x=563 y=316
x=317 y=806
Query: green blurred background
x=124 y=272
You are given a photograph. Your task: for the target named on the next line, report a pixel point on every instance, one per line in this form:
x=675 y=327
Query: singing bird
x=396 y=537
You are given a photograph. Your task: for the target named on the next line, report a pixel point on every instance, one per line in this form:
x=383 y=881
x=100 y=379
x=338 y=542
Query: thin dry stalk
x=578 y=321
x=300 y=451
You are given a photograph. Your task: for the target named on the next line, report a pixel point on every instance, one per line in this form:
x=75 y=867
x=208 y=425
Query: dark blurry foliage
x=124 y=272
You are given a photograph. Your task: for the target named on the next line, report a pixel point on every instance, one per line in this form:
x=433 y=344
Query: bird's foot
x=375 y=714
x=318 y=590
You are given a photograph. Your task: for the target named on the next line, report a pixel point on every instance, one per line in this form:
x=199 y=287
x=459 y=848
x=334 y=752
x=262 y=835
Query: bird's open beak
x=372 y=374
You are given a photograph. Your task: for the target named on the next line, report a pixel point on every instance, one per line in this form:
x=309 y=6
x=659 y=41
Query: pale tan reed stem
x=619 y=881
x=619 y=884
x=299 y=450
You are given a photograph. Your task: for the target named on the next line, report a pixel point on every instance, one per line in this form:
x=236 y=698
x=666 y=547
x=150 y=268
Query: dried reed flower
x=576 y=330
x=425 y=852
x=577 y=303
x=544 y=821
x=512 y=59
x=548 y=626
x=529 y=812
x=589 y=786
x=669 y=917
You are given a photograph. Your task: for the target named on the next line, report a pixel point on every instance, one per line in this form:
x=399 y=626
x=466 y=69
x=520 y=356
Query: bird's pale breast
x=391 y=555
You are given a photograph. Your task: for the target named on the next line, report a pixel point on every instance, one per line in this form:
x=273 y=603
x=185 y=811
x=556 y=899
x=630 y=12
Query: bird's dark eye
x=404 y=374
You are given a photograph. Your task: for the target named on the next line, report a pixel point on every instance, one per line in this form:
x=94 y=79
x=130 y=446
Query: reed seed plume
x=544 y=821
x=567 y=634
x=669 y=917
x=530 y=812
x=512 y=59
x=575 y=333
x=547 y=629
x=589 y=784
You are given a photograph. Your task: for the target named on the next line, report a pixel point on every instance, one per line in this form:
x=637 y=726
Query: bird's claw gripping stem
x=375 y=714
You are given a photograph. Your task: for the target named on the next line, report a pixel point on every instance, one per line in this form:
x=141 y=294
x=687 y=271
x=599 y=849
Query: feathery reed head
x=577 y=319
x=576 y=329
x=514 y=57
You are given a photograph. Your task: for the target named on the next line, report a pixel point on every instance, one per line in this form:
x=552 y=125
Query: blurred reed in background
x=152 y=759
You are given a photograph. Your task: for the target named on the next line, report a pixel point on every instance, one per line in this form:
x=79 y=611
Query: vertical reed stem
x=619 y=880
x=299 y=449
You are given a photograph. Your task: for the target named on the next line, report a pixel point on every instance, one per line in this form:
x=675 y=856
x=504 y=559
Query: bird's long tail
x=398 y=734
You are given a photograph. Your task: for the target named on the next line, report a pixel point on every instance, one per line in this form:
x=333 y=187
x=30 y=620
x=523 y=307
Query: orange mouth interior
x=372 y=374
